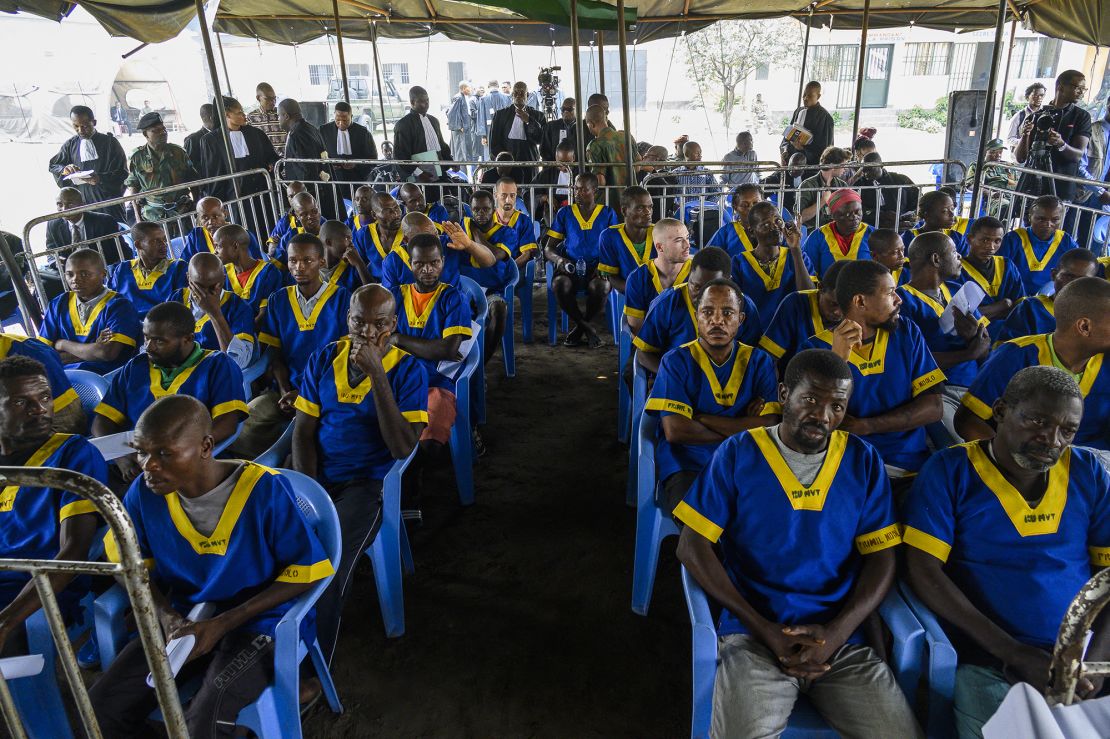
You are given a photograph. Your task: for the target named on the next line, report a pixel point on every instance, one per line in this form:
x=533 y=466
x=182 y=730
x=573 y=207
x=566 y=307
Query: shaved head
x=209 y=202
x=206 y=267
x=180 y=417
x=417 y=223
x=235 y=232
x=595 y=114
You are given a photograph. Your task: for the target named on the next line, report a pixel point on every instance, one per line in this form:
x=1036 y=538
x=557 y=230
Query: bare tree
x=721 y=56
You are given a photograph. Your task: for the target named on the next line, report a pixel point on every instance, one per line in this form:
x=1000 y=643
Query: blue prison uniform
x=234 y=309
x=22 y=346
x=733 y=238
x=798 y=317
x=296 y=336
x=265 y=278
x=767 y=290
x=280 y=253
x=1035 y=314
x=199 y=240
x=368 y=241
x=113 y=311
x=397 y=267
x=447 y=314
x=1035 y=259
x=581 y=235
x=672 y=322
x=127 y=279
x=823 y=250
x=957 y=237
x=525 y=229
x=926 y=312
x=503 y=239
x=642 y=287
x=619 y=256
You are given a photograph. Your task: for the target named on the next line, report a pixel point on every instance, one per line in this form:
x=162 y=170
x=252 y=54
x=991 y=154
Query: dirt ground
x=518 y=618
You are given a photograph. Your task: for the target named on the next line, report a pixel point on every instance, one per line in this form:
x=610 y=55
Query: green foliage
x=931 y=120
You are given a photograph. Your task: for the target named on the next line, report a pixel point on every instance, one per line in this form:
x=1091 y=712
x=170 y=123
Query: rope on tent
x=666 y=81
x=512 y=57
x=701 y=94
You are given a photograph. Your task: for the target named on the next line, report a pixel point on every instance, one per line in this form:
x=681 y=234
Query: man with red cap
x=845 y=237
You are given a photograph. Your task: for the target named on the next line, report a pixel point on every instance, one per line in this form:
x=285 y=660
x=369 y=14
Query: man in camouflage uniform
x=607 y=155
x=156 y=165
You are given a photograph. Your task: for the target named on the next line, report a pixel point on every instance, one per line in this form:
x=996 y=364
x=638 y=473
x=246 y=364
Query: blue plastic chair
x=275 y=456
x=624 y=394
x=614 y=306
x=253 y=371
x=554 y=315
x=390 y=552
x=653 y=524
x=477 y=295
x=90 y=388
x=38 y=697
x=508 y=341
x=276 y=712
x=906 y=661
x=940 y=666
x=177 y=246
x=462 y=445
x=639 y=400
x=524 y=293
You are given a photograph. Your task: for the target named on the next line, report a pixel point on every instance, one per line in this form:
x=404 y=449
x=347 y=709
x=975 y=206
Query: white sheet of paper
x=178 y=650
x=452 y=368
x=80 y=178
x=967 y=299
x=22 y=666
x=114 y=446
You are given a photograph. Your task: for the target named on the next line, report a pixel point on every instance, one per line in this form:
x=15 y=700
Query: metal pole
x=217 y=93
x=1005 y=80
x=805 y=55
x=580 y=139
x=622 y=44
x=601 y=62
x=988 y=106
x=342 y=58
x=223 y=62
x=861 y=69
x=378 y=74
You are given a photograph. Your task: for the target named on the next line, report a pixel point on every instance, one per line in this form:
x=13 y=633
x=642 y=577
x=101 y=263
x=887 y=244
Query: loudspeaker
x=969 y=119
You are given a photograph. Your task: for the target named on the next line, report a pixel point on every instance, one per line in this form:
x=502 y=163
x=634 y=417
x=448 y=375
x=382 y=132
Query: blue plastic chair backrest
x=177 y=246
x=477 y=295
x=514 y=276
x=649 y=428
x=89 y=386
x=319 y=511
x=276 y=454
x=470 y=366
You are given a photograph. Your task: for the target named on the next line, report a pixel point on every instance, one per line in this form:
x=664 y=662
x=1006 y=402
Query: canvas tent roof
x=541 y=23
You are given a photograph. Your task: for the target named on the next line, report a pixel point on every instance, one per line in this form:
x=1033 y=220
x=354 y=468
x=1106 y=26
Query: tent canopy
x=544 y=23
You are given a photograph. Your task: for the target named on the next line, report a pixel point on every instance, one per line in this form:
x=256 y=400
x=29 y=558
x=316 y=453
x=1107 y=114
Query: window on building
x=1036 y=58
x=358 y=70
x=319 y=74
x=398 y=72
x=762 y=72
x=929 y=59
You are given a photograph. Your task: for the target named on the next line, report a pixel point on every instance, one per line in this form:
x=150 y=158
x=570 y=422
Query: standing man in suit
x=518 y=130
x=193 y=141
x=303 y=141
x=91 y=150
x=564 y=128
x=417 y=133
x=348 y=140
x=815 y=119
x=250 y=149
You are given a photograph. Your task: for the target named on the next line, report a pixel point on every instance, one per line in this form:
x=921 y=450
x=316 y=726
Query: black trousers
x=359 y=506
x=232 y=675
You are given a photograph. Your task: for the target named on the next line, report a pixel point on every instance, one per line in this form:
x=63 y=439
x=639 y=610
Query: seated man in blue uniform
x=798 y=580
x=845 y=237
x=91 y=328
x=708 y=390
x=888 y=250
x=670 y=267
x=298 y=320
x=309 y=220
x=363 y=204
x=736 y=237
x=1035 y=314
x=153 y=276
x=363 y=404
x=459 y=249
x=173 y=364
x=376 y=240
x=501 y=241
x=776 y=266
x=212 y=217
x=412 y=197
x=896 y=382
x=228 y=533
x=628 y=245
x=995 y=274
x=69 y=417
x=250 y=279
x=39 y=523
x=672 y=319
x=1036 y=250
x=343 y=264
x=801 y=315
x=573 y=247
x=224 y=321
x=506 y=194
x=1001 y=536
x=933 y=261
x=433 y=320
x=937 y=212
x=288 y=221
x=1078 y=345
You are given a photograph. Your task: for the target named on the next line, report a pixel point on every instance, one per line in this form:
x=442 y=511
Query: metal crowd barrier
x=255 y=211
x=130 y=571
x=1009 y=204
x=1067 y=654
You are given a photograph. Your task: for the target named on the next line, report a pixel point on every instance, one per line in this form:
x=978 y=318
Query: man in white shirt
x=518 y=130
x=345 y=139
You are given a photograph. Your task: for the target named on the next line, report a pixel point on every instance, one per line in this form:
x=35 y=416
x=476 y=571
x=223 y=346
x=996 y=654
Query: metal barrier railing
x=1009 y=204
x=1071 y=643
x=130 y=570
x=258 y=209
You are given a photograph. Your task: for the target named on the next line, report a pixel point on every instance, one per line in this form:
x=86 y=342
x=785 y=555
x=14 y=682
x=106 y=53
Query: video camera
x=549 y=90
x=1040 y=154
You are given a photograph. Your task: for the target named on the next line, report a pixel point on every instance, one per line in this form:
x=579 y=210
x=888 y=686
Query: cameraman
x=1065 y=129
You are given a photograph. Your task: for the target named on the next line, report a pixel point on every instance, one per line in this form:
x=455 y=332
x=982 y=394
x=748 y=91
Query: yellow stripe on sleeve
x=269 y=340
x=110 y=413
x=65 y=399
x=608 y=269
x=46 y=341
x=634 y=312
x=923 y=383
x=1100 y=556
x=306 y=573
x=529 y=247
x=415 y=416
x=641 y=344
x=698 y=522
x=669 y=406
x=249 y=338
x=307 y=406
x=877 y=541
x=458 y=331
x=976 y=406
x=229 y=407
x=771 y=348
x=926 y=543
x=76 y=508
x=555 y=234
x=123 y=339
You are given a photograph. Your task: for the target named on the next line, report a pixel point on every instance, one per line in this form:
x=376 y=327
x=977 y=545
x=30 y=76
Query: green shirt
x=608 y=152
x=1056 y=360
x=151 y=170
x=169 y=374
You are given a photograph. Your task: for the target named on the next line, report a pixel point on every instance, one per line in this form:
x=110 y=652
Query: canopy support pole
x=217 y=94
x=601 y=62
x=342 y=57
x=223 y=61
x=1005 y=80
x=580 y=138
x=622 y=43
x=378 y=74
x=861 y=69
x=988 y=106
x=805 y=56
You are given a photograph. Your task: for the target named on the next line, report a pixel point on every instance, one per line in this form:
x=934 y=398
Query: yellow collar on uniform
x=648 y=243
x=51 y=445
x=147 y=282
x=802 y=497
x=156 y=388
x=679 y=279
x=1035 y=264
x=217 y=542
x=725 y=396
x=991 y=286
x=586 y=224
x=773 y=280
x=340 y=372
x=205 y=318
x=1045 y=518
x=742 y=234
x=875 y=361
x=82 y=328
x=1045 y=356
x=419 y=320
x=834 y=246
x=375 y=236
x=244 y=292
x=927 y=300
x=309 y=323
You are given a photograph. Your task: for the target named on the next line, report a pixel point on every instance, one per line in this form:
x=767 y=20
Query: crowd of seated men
x=836 y=369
